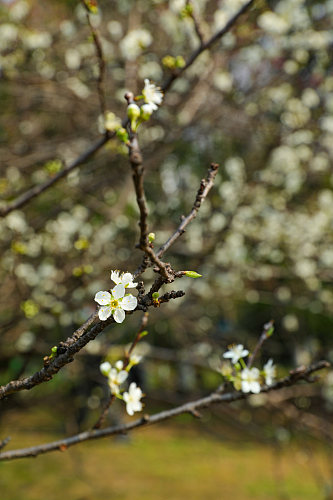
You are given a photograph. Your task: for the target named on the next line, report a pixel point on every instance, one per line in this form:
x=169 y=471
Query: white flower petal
x=105 y=368
x=119 y=315
x=115 y=277
x=103 y=298
x=122 y=376
x=118 y=291
x=129 y=303
x=104 y=313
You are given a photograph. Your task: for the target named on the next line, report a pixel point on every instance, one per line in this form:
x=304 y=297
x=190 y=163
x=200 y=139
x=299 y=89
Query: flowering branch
x=37 y=190
x=207 y=45
x=192 y=407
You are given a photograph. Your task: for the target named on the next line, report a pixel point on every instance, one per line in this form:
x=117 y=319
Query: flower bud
x=192 y=274
x=151 y=237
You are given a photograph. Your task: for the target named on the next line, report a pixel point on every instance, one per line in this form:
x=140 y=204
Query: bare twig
x=266 y=333
x=192 y=407
x=105 y=411
x=101 y=64
x=205 y=187
x=37 y=190
x=206 y=46
x=143 y=325
x=196 y=22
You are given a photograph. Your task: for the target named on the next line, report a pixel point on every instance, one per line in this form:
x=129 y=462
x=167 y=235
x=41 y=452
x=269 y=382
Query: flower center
x=114 y=303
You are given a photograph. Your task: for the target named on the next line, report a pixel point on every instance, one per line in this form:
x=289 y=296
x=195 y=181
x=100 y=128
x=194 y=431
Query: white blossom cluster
x=117 y=375
x=246 y=379
x=117 y=301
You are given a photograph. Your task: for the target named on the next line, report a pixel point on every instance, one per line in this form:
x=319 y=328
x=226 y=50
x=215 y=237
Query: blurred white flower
x=269 y=372
x=115 y=303
x=152 y=95
x=125 y=279
x=134 y=43
x=105 y=368
x=115 y=379
x=235 y=353
x=135 y=359
x=132 y=399
x=250 y=380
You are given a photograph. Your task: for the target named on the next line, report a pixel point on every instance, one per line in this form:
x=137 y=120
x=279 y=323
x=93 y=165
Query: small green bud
x=122 y=135
x=54 y=349
x=155 y=295
x=169 y=62
x=192 y=274
x=133 y=113
x=180 y=62
x=269 y=328
x=151 y=237
x=143 y=334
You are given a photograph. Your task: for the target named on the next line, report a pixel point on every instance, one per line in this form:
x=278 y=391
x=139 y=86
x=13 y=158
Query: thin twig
x=101 y=65
x=266 y=333
x=37 y=190
x=143 y=325
x=205 y=187
x=301 y=373
x=217 y=36
x=196 y=23
x=105 y=411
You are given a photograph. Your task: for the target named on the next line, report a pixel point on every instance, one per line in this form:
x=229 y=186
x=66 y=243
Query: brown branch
x=37 y=190
x=101 y=65
x=192 y=407
x=207 y=45
x=196 y=23
x=205 y=187
x=264 y=336
x=143 y=325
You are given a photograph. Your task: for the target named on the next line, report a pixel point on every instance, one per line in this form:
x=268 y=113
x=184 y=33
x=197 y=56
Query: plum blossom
x=125 y=279
x=152 y=95
x=250 y=380
x=115 y=303
x=115 y=379
x=132 y=399
x=269 y=372
x=236 y=352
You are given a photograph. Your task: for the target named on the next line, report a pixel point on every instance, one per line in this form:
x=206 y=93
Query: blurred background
x=260 y=104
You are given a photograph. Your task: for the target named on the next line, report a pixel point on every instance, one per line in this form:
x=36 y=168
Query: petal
x=103 y=298
x=115 y=277
x=118 y=291
x=126 y=279
x=122 y=376
x=104 y=313
x=105 y=368
x=129 y=303
x=129 y=409
x=119 y=315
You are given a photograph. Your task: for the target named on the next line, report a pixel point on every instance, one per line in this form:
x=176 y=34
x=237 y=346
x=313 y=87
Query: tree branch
x=205 y=187
x=207 y=45
x=35 y=191
x=192 y=407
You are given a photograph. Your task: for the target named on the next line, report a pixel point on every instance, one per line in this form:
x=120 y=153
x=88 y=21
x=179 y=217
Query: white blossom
x=135 y=359
x=125 y=279
x=115 y=379
x=236 y=352
x=115 y=303
x=132 y=399
x=105 y=368
x=269 y=372
x=152 y=95
x=134 y=43
x=250 y=380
